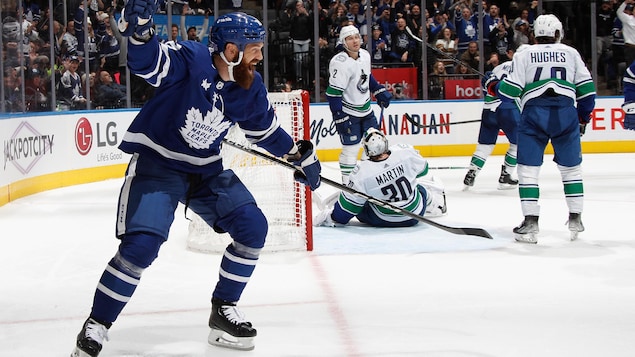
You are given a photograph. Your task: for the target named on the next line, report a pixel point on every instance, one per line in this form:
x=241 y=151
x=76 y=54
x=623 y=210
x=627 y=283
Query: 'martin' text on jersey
x=389 y=175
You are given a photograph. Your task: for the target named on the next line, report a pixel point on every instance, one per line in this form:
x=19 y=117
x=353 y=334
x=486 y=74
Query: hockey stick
x=448 y=167
x=413 y=122
x=450 y=57
x=479 y=232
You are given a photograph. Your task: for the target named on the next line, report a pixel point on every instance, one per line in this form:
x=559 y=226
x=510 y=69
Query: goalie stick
x=470 y=231
x=418 y=125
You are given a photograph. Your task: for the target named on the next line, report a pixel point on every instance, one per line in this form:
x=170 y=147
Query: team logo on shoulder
x=205 y=84
x=342 y=57
x=201 y=131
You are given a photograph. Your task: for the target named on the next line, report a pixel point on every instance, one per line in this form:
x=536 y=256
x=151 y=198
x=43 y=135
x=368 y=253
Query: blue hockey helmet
x=237 y=28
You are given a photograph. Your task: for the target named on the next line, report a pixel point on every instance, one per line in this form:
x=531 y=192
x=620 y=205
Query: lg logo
x=84 y=135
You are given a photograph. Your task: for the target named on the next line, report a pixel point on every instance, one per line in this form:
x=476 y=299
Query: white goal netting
x=285 y=202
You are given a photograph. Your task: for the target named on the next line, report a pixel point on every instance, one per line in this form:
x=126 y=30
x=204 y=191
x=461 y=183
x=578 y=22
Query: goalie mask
x=374 y=143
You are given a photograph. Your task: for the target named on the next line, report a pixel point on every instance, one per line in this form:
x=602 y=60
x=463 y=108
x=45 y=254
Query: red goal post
x=285 y=202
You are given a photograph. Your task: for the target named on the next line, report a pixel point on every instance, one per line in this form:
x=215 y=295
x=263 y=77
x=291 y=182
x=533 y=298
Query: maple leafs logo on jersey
x=200 y=131
x=205 y=84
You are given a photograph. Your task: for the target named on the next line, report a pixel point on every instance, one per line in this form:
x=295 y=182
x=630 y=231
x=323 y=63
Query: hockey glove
x=486 y=77
x=383 y=97
x=307 y=164
x=489 y=84
x=324 y=219
x=136 y=19
x=342 y=122
x=584 y=120
x=629 y=119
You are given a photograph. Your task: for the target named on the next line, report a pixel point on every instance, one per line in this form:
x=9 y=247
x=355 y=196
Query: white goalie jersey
x=393 y=180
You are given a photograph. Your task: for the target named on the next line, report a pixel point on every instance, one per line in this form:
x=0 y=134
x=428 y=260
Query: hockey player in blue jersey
x=629 y=97
x=557 y=95
x=175 y=142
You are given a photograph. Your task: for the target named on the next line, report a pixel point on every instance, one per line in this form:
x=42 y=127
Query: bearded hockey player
x=396 y=174
x=348 y=93
x=557 y=95
x=175 y=142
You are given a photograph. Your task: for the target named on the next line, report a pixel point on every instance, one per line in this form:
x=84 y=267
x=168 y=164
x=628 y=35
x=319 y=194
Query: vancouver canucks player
x=496 y=115
x=348 y=93
x=175 y=142
x=395 y=174
x=557 y=96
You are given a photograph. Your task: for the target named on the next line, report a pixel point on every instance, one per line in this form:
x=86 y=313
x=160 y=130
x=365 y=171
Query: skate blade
x=529 y=238
x=466 y=187
x=506 y=186
x=223 y=339
x=575 y=230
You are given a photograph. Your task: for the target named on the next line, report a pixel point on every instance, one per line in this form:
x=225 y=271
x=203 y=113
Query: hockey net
x=285 y=202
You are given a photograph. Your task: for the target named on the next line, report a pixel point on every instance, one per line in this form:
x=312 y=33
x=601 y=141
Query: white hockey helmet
x=348 y=30
x=374 y=143
x=547 y=25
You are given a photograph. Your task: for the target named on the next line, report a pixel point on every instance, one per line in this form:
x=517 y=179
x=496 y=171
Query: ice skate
x=468 y=181
x=527 y=231
x=90 y=339
x=229 y=328
x=505 y=181
x=575 y=225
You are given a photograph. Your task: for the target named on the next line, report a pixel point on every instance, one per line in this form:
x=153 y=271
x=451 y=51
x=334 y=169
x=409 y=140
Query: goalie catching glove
x=136 y=19
x=307 y=164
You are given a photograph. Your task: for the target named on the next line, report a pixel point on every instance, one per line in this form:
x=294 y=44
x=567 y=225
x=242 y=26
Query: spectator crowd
x=88 y=67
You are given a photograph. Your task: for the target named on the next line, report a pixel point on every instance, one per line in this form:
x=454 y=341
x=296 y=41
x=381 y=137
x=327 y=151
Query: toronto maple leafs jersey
x=550 y=68
x=192 y=109
x=393 y=180
x=351 y=79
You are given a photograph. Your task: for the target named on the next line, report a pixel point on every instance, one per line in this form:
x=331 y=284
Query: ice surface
x=363 y=291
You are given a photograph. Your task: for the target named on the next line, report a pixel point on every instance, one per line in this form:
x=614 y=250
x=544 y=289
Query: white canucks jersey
x=393 y=180
x=351 y=78
x=501 y=71
x=543 y=67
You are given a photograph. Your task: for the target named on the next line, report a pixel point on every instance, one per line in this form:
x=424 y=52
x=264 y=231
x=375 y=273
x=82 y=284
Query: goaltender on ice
x=175 y=142
x=397 y=174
